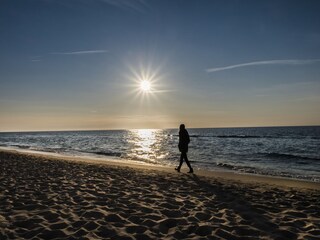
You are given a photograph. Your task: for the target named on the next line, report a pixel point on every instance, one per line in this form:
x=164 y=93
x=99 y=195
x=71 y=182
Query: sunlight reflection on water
x=147 y=144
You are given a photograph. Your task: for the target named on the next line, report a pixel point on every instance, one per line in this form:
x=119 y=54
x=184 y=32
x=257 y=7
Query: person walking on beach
x=184 y=140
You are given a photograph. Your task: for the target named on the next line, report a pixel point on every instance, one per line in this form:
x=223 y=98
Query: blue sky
x=76 y=64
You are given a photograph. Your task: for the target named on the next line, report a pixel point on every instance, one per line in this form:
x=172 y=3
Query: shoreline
x=226 y=175
x=256 y=152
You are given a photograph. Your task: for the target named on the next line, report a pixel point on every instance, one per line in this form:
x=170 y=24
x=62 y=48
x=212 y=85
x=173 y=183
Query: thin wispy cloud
x=133 y=5
x=36 y=60
x=80 y=52
x=268 y=62
x=139 y=6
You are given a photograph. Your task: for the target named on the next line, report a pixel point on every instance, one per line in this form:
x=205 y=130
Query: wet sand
x=46 y=197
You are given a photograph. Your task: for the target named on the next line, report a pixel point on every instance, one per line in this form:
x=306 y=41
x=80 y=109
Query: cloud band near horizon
x=268 y=62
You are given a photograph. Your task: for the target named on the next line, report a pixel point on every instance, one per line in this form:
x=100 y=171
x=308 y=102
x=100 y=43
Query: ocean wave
x=289 y=156
x=195 y=136
x=246 y=169
x=225 y=136
x=106 y=153
x=239 y=136
x=18 y=146
x=234 y=136
x=268 y=172
x=47 y=149
x=225 y=165
x=22 y=146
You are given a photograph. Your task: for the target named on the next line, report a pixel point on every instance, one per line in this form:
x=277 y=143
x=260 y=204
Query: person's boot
x=191 y=170
x=177 y=169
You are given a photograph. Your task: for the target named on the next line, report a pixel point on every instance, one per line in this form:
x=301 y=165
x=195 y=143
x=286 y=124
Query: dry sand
x=45 y=197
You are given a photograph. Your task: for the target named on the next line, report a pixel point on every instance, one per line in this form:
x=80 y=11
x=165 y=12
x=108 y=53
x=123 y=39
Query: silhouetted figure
x=184 y=140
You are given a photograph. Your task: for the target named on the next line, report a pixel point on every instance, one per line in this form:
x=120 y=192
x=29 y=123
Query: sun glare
x=146 y=83
x=145 y=86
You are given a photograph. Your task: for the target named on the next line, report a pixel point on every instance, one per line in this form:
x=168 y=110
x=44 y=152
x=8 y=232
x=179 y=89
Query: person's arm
x=188 y=138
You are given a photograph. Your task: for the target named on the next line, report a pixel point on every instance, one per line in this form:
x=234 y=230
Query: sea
x=290 y=152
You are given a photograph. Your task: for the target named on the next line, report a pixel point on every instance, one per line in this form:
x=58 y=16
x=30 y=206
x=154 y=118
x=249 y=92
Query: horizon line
x=121 y=129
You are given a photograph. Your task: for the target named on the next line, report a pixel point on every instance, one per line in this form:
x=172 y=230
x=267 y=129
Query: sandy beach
x=46 y=197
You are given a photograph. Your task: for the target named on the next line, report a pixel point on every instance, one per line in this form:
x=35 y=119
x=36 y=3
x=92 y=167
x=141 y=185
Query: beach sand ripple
x=42 y=198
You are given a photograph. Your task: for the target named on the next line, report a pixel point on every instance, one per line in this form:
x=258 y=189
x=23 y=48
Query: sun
x=145 y=86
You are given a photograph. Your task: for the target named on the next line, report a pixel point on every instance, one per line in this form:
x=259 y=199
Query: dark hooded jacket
x=184 y=140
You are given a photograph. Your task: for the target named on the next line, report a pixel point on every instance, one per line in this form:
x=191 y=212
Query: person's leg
x=180 y=164
x=188 y=163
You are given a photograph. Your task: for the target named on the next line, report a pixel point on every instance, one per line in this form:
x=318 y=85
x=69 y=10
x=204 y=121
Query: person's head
x=182 y=127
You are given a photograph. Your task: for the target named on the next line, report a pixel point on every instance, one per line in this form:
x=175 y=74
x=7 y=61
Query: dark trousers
x=184 y=156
